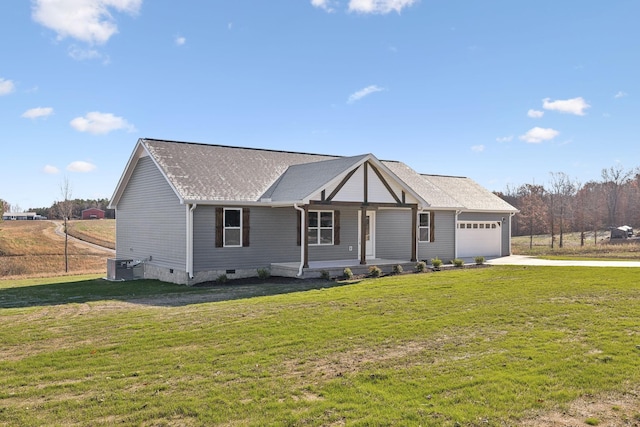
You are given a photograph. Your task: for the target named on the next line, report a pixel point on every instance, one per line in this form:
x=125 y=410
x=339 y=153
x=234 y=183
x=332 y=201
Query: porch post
x=363 y=235
x=414 y=233
x=305 y=226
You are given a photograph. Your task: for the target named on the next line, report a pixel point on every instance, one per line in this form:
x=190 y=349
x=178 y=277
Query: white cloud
x=535 y=114
x=37 y=112
x=505 y=138
x=620 y=94
x=100 y=123
x=180 y=41
x=379 y=6
x=538 y=134
x=363 y=92
x=86 y=20
x=81 y=54
x=80 y=166
x=6 y=86
x=323 y=4
x=573 y=106
x=51 y=170
x=477 y=148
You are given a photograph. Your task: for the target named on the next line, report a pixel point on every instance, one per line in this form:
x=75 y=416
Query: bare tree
x=4 y=206
x=532 y=206
x=562 y=192
x=65 y=210
x=614 y=179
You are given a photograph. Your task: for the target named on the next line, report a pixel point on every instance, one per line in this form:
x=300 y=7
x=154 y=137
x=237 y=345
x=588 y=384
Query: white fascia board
x=241 y=203
x=500 y=211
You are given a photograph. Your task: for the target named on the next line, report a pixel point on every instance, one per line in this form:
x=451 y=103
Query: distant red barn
x=93 y=213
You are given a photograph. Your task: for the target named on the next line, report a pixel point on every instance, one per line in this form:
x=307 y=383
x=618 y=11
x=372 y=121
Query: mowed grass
x=491 y=346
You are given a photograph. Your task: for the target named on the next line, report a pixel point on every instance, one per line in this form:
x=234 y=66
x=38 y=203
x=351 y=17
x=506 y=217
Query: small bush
x=479 y=260
x=458 y=262
x=264 y=273
x=222 y=279
x=397 y=269
x=324 y=274
x=592 y=421
x=348 y=273
x=421 y=266
x=374 y=271
x=436 y=262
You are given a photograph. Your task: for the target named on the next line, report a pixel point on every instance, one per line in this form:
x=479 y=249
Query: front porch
x=335 y=268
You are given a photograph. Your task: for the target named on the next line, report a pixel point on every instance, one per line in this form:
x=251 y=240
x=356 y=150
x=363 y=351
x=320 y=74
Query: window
x=424 y=228
x=232 y=227
x=321 y=227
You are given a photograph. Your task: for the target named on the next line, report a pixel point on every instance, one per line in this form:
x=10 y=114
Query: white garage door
x=479 y=238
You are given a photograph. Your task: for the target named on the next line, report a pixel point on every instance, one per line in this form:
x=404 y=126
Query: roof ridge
x=204 y=144
x=444 y=176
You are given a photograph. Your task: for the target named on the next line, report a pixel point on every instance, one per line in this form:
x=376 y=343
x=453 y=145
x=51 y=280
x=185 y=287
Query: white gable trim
x=353 y=189
x=139 y=152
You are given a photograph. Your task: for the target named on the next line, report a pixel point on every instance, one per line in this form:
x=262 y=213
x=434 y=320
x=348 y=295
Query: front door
x=369 y=230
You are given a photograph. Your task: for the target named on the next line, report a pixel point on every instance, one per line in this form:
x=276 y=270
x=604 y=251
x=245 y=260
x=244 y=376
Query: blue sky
x=503 y=92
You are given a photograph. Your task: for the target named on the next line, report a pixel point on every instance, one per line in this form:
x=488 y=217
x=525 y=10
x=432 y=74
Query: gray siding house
x=189 y=213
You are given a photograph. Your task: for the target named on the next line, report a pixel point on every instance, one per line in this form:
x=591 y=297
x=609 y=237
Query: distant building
x=21 y=216
x=93 y=213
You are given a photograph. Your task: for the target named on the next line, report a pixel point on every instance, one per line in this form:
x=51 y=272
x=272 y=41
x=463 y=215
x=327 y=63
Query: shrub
x=397 y=269
x=348 y=273
x=374 y=271
x=421 y=266
x=479 y=260
x=592 y=421
x=324 y=274
x=222 y=279
x=436 y=262
x=264 y=273
x=458 y=262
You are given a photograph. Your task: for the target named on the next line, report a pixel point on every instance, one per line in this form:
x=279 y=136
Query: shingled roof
x=204 y=173
x=469 y=193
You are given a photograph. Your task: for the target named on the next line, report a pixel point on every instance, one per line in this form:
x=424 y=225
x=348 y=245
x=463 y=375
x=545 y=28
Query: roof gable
x=300 y=181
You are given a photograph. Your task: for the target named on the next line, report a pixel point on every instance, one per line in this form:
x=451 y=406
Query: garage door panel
x=479 y=239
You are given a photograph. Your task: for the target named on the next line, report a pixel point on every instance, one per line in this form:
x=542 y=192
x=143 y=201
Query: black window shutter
x=432 y=226
x=246 y=226
x=336 y=227
x=219 y=227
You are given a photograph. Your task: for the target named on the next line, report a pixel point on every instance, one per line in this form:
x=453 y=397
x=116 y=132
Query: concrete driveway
x=528 y=260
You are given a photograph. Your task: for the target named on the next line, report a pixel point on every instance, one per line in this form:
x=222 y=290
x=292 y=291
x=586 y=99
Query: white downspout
x=511 y=215
x=190 y=240
x=302 y=227
x=455 y=234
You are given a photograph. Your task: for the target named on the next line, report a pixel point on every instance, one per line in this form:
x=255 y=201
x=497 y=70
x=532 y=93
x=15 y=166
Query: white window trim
x=225 y=228
x=428 y=227
x=319 y=228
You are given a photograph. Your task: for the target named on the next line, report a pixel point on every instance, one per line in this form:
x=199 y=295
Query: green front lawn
x=487 y=346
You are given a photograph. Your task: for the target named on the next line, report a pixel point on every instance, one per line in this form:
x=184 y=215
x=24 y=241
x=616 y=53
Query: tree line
x=566 y=205
x=57 y=210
